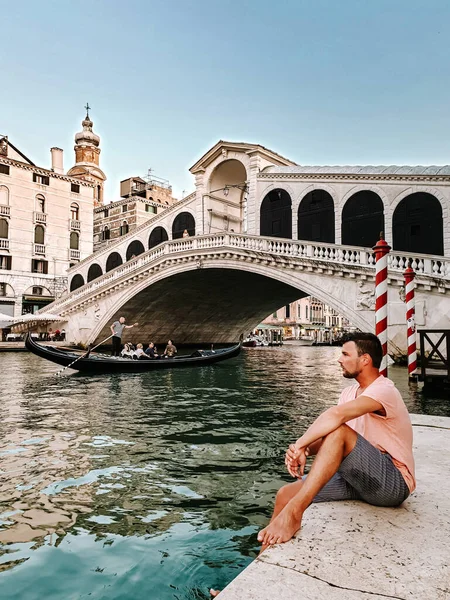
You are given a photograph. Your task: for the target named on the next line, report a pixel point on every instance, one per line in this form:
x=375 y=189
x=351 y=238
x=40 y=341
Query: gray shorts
x=366 y=474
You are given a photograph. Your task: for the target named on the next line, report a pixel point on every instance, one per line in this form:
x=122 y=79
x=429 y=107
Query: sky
x=318 y=81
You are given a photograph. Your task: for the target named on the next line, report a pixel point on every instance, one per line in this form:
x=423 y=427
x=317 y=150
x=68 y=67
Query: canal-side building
x=46 y=223
x=141 y=199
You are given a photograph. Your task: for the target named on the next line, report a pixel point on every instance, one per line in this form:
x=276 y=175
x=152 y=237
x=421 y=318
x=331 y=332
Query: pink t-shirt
x=391 y=433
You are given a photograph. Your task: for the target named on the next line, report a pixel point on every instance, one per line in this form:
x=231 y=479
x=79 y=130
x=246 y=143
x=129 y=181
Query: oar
x=82 y=356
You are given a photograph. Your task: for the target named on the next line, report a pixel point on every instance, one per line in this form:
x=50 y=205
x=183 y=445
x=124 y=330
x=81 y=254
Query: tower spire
x=88 y=108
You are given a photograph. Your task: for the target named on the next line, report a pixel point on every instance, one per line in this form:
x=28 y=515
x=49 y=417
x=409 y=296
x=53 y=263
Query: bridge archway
x=181 y=222
x=95 y=271
x=276 y=214
x=362 y=219
x=227 y=184
x=76 y=282
x=134 y=249
x=417 y=225
x=157 y=236
x=316 y=217
x=114 y=260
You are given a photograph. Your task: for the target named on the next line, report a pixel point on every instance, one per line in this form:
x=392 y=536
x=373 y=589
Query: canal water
x=151 y=486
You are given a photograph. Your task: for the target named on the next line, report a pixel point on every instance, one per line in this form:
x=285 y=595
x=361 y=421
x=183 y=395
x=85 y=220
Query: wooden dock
x=435 y=358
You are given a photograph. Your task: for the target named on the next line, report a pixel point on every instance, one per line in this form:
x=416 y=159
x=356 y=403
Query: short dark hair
x=366 y=343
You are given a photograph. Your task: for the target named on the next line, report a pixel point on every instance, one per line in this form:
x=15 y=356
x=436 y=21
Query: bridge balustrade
x=331 y=253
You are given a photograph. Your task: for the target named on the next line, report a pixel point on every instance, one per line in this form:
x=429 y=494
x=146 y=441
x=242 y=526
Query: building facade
x=46 y=224
x=141 y=200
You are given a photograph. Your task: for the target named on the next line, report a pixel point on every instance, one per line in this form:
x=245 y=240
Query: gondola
x=101 y=363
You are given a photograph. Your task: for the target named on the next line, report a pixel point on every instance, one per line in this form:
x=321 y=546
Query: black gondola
x=100 y=363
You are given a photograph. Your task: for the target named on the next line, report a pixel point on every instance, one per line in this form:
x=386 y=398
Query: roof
x=363 y=170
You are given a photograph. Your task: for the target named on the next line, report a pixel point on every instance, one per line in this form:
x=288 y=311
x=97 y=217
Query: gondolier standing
x=117 y=329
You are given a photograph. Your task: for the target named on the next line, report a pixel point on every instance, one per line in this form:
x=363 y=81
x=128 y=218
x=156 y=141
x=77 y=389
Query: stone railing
x=5 y=210
x=109 y=244
x=74 y=254
x=4 y=244
x=39 y=249
x=40 y=217
x=323 y=254
x=74 y=225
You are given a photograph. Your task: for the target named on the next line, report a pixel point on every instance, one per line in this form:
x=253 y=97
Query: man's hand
x=296 y=460
x=134 y=325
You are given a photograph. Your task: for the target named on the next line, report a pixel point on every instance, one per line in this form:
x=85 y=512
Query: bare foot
x=281 y=529
x=214 y=593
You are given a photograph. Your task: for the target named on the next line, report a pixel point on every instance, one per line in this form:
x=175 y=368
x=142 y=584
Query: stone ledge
x=350 y=550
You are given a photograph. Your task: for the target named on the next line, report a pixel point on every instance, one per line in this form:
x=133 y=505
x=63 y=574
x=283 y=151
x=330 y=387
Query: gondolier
x=117 y=329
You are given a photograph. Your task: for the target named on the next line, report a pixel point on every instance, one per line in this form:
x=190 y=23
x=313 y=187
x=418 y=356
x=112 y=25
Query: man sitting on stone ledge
x=363 y=446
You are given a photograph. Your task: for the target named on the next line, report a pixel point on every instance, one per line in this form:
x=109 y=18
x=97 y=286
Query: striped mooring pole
x=409 y=275
x=381 y=250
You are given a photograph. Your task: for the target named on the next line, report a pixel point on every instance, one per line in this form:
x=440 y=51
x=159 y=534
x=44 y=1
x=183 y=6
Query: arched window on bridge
x=134 y=249
x=124 y=228
x=76 y=282
x=276 y=215
x=95 y=271
x=362 y=219
x=183 y=221
x=114 y=261
x=417 y=225
x=157 y=236
x=316 y=217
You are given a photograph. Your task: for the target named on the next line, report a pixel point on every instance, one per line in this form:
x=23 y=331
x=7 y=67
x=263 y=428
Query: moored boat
x=100 y=363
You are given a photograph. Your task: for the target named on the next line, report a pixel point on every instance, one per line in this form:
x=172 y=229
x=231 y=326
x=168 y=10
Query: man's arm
x=112 y=329
x=130 y=326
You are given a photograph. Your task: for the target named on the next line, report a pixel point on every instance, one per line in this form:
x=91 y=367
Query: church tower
x=87 y=158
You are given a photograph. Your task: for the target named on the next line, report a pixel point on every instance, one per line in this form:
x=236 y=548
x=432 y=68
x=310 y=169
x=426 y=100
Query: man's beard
x=350 y=374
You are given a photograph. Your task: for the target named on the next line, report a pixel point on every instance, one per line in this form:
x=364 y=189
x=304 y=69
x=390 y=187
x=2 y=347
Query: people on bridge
x=185 y=233
x=362 y=446
x=170 y=350
x=117 y=329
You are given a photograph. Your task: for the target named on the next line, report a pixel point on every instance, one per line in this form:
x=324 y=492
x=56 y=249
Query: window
x=4 y=229
x=4 y=195
x=125 y=208
x=39 y=235
x=106 y=233
x=106 y=212
x=2 y=289
x=38 y=291
x=288 y=311
x=75 y=188
x=4 y=169
x=42 y=179
x=74 y=211
x=306 y=312
x=124 y=228
x=275 y=315
x=39 y=266
x=149 y=208
x=5 y=263
x=74 y=241
x=40 y=203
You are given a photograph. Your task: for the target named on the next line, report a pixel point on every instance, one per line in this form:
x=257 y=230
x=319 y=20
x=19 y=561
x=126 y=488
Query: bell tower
x=87 y=158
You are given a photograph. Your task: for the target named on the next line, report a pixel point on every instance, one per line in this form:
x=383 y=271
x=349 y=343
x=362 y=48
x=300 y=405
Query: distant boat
x=99 y=363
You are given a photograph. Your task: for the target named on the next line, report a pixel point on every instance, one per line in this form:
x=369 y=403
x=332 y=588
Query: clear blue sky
x=319 y=81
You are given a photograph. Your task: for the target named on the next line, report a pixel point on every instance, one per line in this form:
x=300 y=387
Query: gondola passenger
x=170 y=350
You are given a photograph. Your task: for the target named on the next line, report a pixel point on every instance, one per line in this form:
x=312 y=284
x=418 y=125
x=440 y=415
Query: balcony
x=4 y=210
x=4 y=244
x=74 y=225
x=39 y=249
x=40 y=217
x=74 y=254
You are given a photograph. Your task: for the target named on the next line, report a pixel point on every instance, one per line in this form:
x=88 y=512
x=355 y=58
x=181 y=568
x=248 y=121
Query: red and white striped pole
x=381 y=250
x=409 y=275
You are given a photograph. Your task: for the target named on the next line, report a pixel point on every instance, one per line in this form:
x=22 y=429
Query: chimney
x=57 y=160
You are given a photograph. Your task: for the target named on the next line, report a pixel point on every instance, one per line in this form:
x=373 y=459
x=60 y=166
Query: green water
x=151 y=486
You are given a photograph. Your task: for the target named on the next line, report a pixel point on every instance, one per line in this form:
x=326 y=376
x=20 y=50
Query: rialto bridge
x=264 y=232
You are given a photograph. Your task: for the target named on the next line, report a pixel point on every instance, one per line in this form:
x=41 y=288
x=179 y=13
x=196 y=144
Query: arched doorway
x=417 y=225
x=134 y=249
x=95 y=271
x=362 y=219
x=157 y=236
x=183 y=221
x=316 y=217
x=224 y=207
x=114 y=261
x=276 y=215
x=76 y=282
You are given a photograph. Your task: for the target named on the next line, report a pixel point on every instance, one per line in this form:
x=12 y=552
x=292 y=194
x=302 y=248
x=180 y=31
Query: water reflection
x=151 y=485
